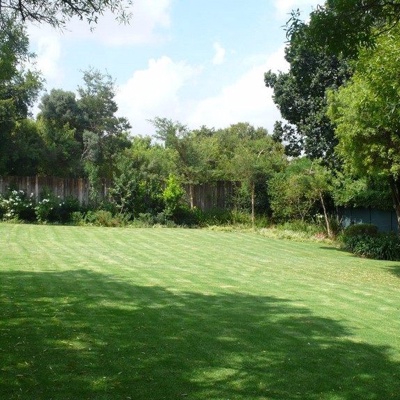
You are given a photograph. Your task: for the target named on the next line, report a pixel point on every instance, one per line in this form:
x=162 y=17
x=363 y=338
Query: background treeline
x=337 y=145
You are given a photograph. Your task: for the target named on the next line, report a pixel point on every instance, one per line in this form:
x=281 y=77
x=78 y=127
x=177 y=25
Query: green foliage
x=138 y=179
x=365 y=241
x=378 y=247
x=173 y=196
x=360 y=230
x=367 y=115
x=343 y=27
x=19 y=86
x=58 y=13
x=300 y=95
x=366 y=111
x=296 y=192
x=362 y=192
x=17 y=205
x=26 y=149
x=102 y=218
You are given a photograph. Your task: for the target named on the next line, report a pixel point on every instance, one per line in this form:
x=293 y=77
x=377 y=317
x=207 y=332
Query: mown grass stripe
x=105 y=313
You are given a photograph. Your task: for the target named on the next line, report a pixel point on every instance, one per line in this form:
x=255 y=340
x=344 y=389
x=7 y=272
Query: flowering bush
x=17 y=205
x=44 y=208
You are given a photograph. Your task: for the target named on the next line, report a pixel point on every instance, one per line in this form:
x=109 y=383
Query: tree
x=300 y=95
x=61 y=107
x=105 y=135
x=346 y=26
x=58 y=12
x=248 y=155
x=366 y=113
x=295 y=192
x=26 y=149
x=19 y=86
x=168 y=131
x=62 y=153
x=255 y=161
x=196 y=151
x=140 y=174
x=366 y=191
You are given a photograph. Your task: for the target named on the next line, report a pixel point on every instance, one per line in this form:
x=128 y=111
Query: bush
x=360 y=230
x=378 y=247
x=53 y=209
x=17 y=205
x=77 y=218
x=69 y=206
x=101 y=218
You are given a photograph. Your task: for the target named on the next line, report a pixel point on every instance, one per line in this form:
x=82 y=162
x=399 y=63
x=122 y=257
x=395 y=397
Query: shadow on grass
x=333 y=248
x=82 y=335
x=395 y=270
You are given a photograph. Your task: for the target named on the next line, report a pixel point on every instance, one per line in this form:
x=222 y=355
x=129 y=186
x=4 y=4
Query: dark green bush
x=18 y=205
x=103 y=218
x=360 y=230
x=378 y=247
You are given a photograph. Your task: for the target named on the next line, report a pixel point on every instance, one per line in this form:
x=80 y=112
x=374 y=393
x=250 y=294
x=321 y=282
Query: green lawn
x=109 y=313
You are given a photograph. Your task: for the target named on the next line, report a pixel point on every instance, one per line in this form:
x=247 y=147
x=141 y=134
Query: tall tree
x=196 y=151
x=248 y=155
x=296 y=191
x=346 y=26
x=367 y=114
x=61 y=107
x=300 y=95
x=254 y=161
x=26 y=149
x=105 y=134
x=19 y=86
x=58 y=12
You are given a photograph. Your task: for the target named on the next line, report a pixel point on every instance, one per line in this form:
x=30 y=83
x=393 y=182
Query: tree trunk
x=327 y=223
x=191 y=195
x=253 y=202
x=395 y=189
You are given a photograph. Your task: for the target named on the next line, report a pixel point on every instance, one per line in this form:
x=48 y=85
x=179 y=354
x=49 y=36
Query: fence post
x=37 y=188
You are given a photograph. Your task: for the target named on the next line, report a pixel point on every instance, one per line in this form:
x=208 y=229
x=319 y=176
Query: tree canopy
x=344 y=26
x=58 y=12
x=19 y=85
x=366 y=113
x=300 y=95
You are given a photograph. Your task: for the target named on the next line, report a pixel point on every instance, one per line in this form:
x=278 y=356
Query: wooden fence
x=208 y=196
x=77 y=188
x=215 y=195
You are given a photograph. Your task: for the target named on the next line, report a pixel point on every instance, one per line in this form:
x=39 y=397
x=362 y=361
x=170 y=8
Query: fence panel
x=38 y=185
x=386 y=221
x=206 y=196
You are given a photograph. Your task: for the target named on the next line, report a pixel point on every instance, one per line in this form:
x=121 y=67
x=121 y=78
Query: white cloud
x=149 y=23
x=157 y=91
x=154 y=92
x=148 y=17
x=219 y=55
x=246 y=100
x=48 y=56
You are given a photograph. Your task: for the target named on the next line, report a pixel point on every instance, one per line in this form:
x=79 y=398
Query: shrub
x=360 y=230
x=173 y=196
x=17 y=205
x=43 y=209
x=379 y=247
x=77 y=218
x=102 y=218
x=69 y=206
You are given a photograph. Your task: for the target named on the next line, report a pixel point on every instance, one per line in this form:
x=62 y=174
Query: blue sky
x=200 y=62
